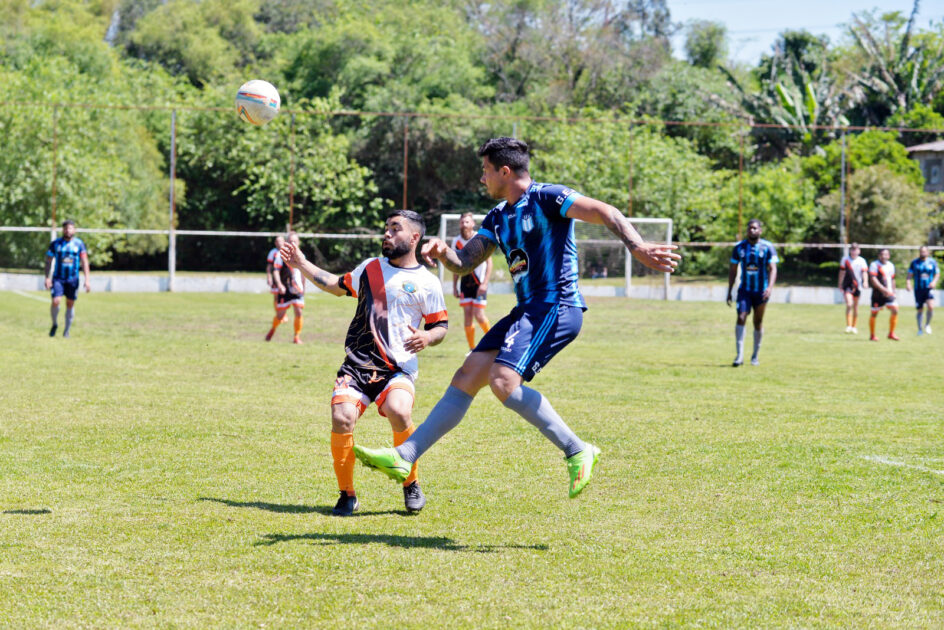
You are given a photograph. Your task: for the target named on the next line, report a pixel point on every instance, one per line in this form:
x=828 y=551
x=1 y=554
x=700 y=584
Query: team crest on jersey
x=409 y=287
x=518 y=264
x=527 y=222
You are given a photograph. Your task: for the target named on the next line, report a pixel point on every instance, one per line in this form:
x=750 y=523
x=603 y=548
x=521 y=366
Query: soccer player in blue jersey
x=758 y=261
x=534 y=228
x=63 y=259
x=925 y=272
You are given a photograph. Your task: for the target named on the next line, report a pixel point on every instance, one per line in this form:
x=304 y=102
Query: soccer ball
x=257 y=102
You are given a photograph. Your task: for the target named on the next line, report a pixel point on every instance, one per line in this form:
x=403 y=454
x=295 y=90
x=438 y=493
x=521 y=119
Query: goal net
x=603 y=260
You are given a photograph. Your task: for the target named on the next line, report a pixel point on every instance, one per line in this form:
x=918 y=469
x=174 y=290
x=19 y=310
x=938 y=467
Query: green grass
x=165 y=467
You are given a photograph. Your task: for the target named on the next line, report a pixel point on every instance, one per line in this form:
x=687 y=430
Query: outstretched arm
x=461 y=262
x=325 y=281
x=653 y=255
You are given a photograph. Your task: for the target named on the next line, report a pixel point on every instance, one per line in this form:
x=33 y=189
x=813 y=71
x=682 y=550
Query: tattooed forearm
x=470 y=256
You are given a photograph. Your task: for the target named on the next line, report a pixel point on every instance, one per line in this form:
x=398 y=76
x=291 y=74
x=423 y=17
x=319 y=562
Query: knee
x=342 y=420
x=400 y=419
x=503 y=384
x=466 y=379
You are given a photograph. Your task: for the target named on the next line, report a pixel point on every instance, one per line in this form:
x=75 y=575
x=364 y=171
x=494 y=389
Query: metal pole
x=55 y=157
x=843 y=236
x=291 y=174
x=740 y=188
x=406 y=155
x=668 y=240
x=630 y=206
x=171 y=234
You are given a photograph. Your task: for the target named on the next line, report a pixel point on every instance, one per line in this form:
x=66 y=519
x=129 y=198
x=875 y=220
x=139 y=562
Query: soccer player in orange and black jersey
x=882 y=278
x=395 y=296
x=472 y=288
x=291 y=287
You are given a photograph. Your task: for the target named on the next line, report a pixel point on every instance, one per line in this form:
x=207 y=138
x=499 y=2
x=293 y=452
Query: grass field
x=165 y=467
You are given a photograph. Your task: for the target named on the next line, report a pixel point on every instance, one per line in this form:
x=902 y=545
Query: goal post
x=600 y=254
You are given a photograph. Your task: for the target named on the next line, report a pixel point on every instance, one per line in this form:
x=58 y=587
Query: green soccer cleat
x=580 y=467
x=386 y=460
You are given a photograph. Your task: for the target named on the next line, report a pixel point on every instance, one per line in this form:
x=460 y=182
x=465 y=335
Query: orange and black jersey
x=390 y=300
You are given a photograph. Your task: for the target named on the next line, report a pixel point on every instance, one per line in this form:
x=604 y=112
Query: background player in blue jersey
x=534 y=227
x=63 y=259
x=925 y=272
x=758 y=261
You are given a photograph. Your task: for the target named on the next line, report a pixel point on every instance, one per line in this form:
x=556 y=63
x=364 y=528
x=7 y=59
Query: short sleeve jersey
x=272 y=255
x=754 y=261
x=923 y=272
x=390 y=300
x=68 y=256
x=885 y=274
x=479 y=272
x=854 y=268
x=537 y=238
x=292 y=279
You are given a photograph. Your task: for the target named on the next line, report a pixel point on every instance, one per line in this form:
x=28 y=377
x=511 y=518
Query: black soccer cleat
x=737 y=363
x=346 y=505
x=52 y=331
x=413 y=497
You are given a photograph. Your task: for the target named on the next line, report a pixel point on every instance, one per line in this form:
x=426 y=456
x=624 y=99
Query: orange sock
x=485 y=325
x=892 y=322
x=399 y=437
x=872 y=325
x=298 y=325
x=342 y=445
x=276 y=321
x=470 y=336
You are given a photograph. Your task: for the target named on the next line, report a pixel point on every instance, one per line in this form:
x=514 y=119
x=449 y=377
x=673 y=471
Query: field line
x=27 y=295
x=878 y=459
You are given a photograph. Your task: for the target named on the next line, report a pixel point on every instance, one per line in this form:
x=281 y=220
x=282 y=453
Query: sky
x=753 y=25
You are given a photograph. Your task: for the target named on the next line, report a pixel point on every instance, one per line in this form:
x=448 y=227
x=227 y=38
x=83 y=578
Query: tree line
x=568 y=76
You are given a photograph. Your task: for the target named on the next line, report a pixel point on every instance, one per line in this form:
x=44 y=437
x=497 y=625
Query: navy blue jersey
x=538 y=241
x=68 y=255
x=923 y=272
x=754 y=260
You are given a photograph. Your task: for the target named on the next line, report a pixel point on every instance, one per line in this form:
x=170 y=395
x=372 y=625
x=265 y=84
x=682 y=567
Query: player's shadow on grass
x=408 y=542
x=288 y=508
x=28 y=512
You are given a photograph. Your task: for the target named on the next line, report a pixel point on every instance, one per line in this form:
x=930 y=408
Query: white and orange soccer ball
x=257 y=102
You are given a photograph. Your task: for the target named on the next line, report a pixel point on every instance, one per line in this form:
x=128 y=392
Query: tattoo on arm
x=470 y=256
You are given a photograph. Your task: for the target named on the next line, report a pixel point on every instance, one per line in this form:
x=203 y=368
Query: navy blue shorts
x=746 y=300
x=69 y=288
x=922 y=296
x=531 y=334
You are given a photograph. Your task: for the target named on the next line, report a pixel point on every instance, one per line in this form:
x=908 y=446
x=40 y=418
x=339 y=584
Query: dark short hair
x=506 y=151
x=467 y=214
x=885 y=249
x=757 y=221
x=412 y=217
x=68 y=222
x=854 y=246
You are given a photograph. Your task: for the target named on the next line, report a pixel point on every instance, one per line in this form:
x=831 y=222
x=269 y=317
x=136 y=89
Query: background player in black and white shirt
x=395 y=295
x=472 y=288
x=853 y=277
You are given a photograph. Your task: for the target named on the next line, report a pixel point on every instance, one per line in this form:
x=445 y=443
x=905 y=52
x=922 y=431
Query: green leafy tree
x=705 y=43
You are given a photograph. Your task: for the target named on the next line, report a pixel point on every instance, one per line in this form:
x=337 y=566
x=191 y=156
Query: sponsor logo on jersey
x=518 y=264
x=409 y=287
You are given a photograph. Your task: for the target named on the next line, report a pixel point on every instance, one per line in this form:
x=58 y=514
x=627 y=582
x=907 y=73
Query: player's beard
x=395 y=251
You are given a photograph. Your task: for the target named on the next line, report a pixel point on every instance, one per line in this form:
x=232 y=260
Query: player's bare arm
x=656 y=256
x=322 y=279
x=461 y=262
x=422 y=338
x=908 y=281
x=732 y=275
x=85 y=271
x=772 y=278
x=48 y=273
